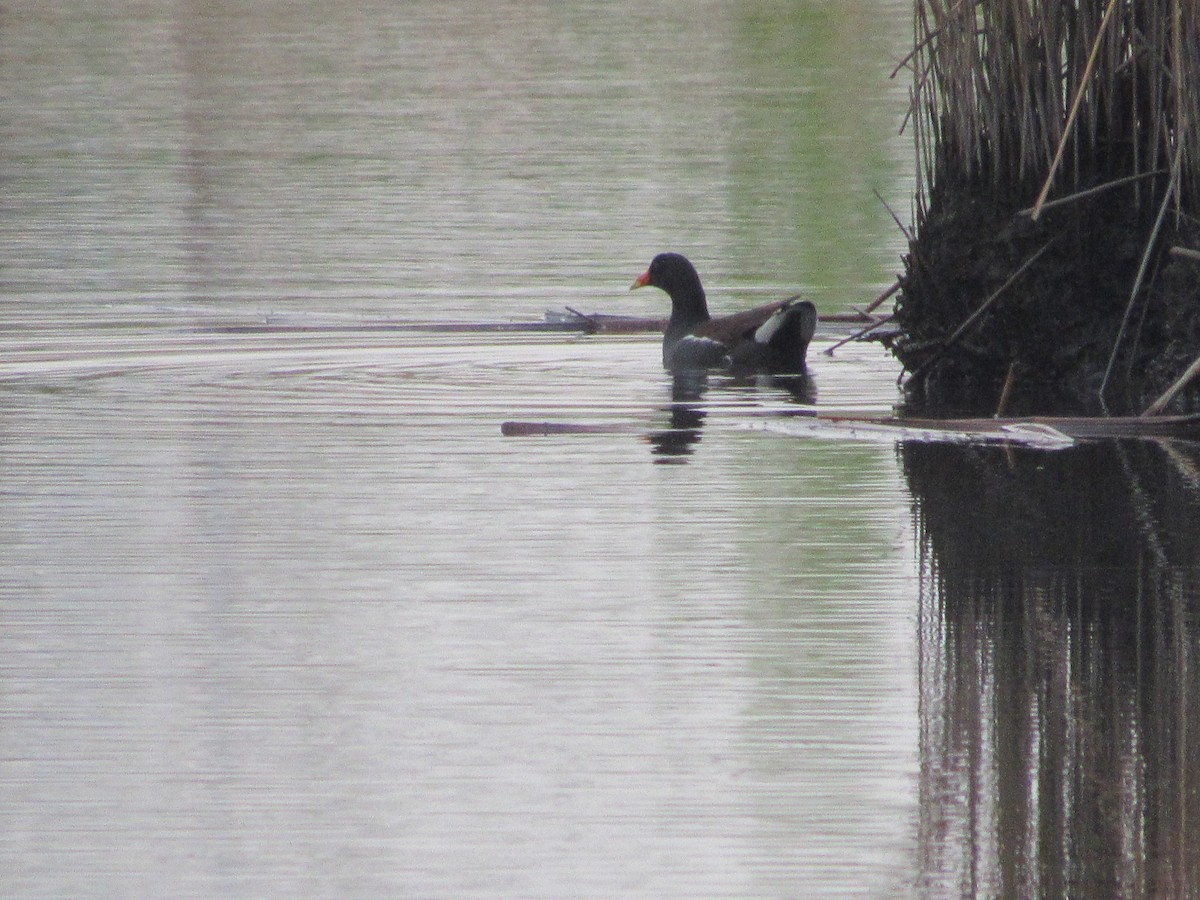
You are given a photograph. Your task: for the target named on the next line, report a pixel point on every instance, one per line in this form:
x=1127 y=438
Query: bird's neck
x=688 y=309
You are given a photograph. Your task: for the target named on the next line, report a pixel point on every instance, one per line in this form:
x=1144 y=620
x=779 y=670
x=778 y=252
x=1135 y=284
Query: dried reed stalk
x=1063 y=93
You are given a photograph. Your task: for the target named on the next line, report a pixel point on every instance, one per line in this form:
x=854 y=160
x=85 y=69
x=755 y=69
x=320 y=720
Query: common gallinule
x=771 y=338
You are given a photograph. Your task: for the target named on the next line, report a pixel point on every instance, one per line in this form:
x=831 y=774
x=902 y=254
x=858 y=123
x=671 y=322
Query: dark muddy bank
x=1060 y=290
x=1081 y=307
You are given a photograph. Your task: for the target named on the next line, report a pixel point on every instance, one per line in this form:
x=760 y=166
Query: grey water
x=284 y=613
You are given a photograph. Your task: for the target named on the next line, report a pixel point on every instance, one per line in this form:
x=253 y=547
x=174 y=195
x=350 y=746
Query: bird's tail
x=790 y=327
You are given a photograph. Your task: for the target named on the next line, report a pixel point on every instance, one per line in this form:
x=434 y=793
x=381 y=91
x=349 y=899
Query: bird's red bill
x=642 y=280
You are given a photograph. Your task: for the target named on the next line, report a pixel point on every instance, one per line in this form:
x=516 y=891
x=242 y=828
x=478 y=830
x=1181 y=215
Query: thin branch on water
x=589 y=321
x=858 y=334
x=874 y=304
x=875 y=323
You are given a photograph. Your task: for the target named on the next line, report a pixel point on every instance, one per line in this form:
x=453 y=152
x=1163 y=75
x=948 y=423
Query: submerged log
x=569 y=321
x=1046 y=432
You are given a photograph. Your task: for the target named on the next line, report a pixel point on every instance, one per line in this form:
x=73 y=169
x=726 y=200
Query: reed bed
x=1087 y=111
x=1057 y=96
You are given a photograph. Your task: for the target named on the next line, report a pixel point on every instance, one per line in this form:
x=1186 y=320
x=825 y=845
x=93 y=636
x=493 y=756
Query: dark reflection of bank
x=686 y=413
x=1060 y=700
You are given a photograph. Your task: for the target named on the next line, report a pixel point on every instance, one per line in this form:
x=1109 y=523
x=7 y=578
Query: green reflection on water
x=815 y=137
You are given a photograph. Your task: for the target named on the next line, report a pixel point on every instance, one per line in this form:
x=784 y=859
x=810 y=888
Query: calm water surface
x=283 y=613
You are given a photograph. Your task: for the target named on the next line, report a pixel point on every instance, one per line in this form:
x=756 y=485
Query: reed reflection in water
x=1058 y=638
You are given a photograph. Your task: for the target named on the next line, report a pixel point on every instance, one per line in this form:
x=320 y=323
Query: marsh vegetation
x=1056 y=149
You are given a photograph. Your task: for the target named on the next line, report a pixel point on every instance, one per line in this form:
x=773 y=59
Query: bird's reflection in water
x=799 y=387
x=686 y=412
x=685 y=418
